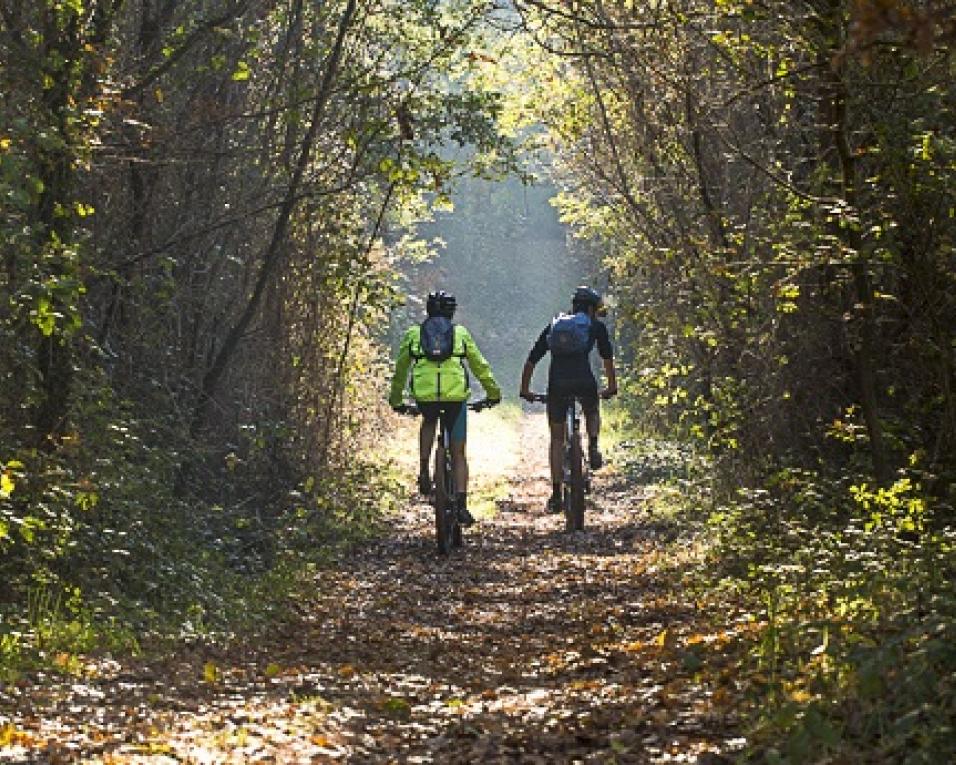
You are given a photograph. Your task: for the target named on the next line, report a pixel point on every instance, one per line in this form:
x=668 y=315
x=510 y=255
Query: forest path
x=529 y=645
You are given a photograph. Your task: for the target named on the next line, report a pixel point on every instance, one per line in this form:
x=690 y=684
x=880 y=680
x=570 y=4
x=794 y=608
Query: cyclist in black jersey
x=570 y=376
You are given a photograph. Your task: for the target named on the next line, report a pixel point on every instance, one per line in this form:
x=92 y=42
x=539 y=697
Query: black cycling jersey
x=578 y=366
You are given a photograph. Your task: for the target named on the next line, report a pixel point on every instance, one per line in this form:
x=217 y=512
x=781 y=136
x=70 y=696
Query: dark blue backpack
x=570 y=334
x=437 y=338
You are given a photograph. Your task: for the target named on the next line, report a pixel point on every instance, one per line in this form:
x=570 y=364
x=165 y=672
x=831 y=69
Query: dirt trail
x=529 y=645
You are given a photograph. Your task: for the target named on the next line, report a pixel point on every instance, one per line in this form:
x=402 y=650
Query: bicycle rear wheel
x=445 y=516
x=574 y=505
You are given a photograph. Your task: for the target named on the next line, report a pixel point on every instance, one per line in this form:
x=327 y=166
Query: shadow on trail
x=527 y=533
x=530 y=644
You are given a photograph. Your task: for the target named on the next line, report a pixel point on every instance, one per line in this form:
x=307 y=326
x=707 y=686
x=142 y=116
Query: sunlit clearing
x=494 y=452
x=493 y=448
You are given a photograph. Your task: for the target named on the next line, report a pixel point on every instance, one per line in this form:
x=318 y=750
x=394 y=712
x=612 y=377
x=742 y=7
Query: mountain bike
x=576 y=472
x=448 y=532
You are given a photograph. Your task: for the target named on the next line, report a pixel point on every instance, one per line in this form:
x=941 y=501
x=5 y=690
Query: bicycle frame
x=448 y=531
x=575 y=471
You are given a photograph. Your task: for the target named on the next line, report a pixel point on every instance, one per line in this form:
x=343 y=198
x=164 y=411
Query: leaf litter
x=528 y=645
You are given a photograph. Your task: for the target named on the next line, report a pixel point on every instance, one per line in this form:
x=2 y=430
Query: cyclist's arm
x=611 y=376
x=606 y=352
x=402 y=363
x=480 y=366
x=537 y=353
x=526 y=379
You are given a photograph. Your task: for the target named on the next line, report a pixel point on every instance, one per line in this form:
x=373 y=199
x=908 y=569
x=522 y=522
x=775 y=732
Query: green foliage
x=768 y=279
x=859 y=618
x=196 y=259
x=652 y=461
x=773 y=194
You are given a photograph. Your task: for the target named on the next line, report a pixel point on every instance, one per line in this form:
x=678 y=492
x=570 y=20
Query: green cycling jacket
x=445 y=381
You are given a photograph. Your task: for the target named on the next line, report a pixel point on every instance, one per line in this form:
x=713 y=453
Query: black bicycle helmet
x=586 y=297
x=441 y=303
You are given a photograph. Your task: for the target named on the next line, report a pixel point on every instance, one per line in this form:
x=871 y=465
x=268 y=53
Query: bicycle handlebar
x=413 y=410
x=542 y=398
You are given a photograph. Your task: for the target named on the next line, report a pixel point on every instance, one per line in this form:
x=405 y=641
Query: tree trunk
x=54 y=233
x=864 y=355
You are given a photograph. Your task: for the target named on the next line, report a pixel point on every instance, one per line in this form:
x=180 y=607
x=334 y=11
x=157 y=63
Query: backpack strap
x=411 y=348
x=454 y=340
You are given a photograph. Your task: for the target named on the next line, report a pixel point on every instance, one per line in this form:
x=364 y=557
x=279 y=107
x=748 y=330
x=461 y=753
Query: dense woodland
x=210 y=208
x=774 y=183
x=195 y=202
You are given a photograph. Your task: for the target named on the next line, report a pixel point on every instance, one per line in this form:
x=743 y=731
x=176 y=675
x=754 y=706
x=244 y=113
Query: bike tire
x=447 y=527
x=574 y=509
x=454 y=525
x=443 y=500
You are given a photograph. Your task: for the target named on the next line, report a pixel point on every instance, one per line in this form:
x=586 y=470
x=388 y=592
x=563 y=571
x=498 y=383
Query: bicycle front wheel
x=574 y=506
x=445 y=521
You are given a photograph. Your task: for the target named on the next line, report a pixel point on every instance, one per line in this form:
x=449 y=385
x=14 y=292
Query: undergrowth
x=174 y=571
x=833 y=601
x=854 y=657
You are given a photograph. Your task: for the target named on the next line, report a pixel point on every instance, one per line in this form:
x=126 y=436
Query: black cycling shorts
x=454 y=416
x=562 y=393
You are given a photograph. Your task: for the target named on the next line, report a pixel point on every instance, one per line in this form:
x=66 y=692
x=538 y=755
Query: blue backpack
x=570 y=334
x=437 y=339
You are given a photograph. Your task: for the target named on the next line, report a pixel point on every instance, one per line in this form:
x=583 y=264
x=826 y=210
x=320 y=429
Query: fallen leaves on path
x=529 y=645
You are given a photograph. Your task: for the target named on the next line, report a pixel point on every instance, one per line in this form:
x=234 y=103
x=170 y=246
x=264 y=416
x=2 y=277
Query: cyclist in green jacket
x=440 y=387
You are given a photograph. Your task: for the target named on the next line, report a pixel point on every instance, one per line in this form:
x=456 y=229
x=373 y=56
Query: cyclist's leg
x=590 y=405
x=456 y=423
x=426 y=440
x=557 y=408
x=592 y=415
